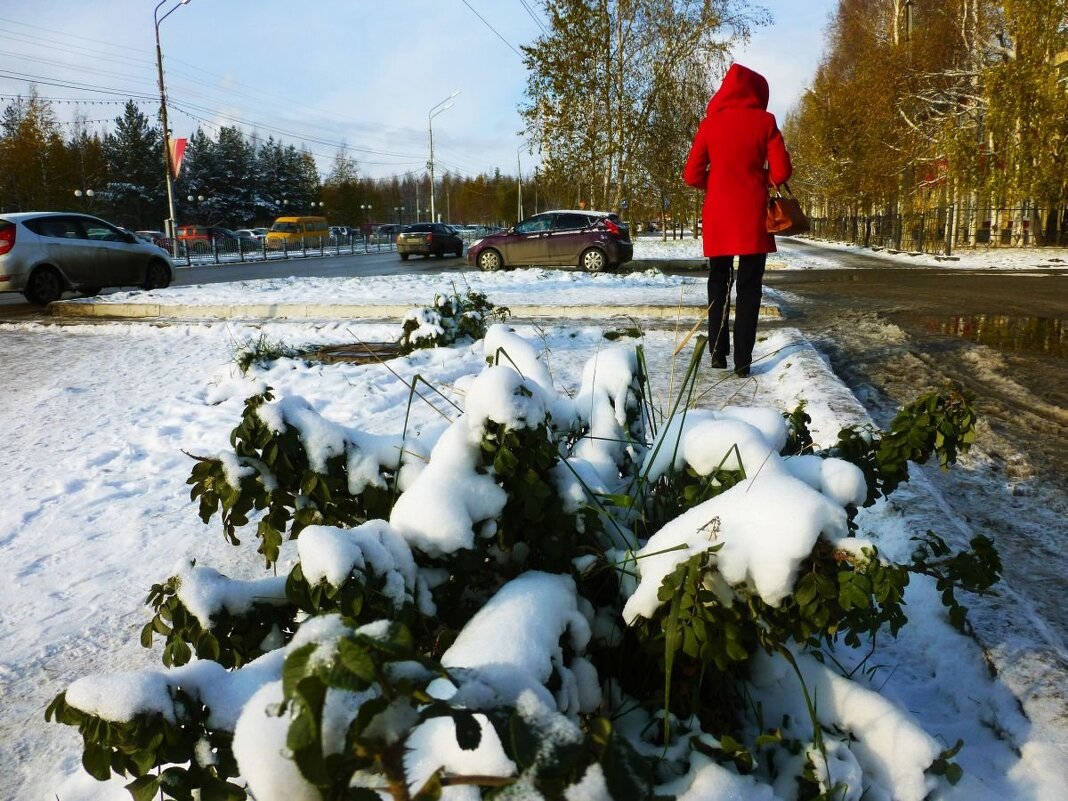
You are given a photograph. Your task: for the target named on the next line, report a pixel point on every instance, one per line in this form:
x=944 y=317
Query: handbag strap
x=776 y=190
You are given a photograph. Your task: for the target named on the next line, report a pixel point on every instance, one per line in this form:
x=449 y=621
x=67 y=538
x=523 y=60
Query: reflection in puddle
x=1046 y=335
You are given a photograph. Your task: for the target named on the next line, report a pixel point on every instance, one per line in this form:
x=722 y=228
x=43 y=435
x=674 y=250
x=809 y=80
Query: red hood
x=741 y=88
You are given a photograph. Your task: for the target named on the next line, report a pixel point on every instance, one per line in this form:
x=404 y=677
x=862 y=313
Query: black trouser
x=746 y=309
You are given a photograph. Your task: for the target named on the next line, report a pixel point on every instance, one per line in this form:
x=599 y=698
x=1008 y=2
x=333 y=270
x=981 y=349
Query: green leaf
x=356 y=659
x=468 y=732
x=176 y=782
x=97 y=761
x=146 y=634
x=806 y=590
x=143 y=788
x=954 y=773
x=296 y=668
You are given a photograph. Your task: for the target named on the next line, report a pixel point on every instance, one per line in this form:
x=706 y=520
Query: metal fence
x=227 y=250
x=943 y=230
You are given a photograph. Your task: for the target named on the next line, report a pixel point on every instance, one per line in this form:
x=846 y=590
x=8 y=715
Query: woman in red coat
x=737 y=151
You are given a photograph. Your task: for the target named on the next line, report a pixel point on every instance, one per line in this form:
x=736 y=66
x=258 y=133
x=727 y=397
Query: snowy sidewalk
x=532 y=293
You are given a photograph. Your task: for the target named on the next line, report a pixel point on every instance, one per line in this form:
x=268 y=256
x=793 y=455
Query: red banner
x=177 y=154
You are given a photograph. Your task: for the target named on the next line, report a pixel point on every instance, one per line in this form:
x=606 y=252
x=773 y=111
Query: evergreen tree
x=88 y=170
x=229 y=192
x=342 y=191
x=198 y=169
x=135 y=193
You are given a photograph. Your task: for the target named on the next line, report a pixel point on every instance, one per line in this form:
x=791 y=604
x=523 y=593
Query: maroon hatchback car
x=592 y=240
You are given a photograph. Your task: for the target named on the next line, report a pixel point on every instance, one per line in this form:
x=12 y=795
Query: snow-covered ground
x=99 y=421
x=794 y=257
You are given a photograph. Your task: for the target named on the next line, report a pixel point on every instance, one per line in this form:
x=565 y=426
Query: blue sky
x=364 y=73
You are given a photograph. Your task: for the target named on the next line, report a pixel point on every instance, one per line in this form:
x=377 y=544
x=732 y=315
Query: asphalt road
x=14 y=308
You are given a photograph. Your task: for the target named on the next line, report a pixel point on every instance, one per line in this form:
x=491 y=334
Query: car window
x=420 y=228
x=570 y=221
x=534 y=224
x=102 y=233
x=58 y=227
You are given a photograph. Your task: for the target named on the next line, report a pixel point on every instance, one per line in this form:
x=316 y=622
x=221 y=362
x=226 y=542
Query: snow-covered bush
x=569 y=596
x=452 y=318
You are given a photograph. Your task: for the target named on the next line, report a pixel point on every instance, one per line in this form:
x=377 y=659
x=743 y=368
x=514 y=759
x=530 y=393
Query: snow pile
x=765 y=524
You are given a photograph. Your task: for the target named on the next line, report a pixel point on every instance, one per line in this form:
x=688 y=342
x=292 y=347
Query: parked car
x=199 y=238
x=295 y=232
x=592 y=240
x=44 y=254
x=428 y=239
x=253 y=235
x=340 y=231
x=155 y=237
x=386 y=233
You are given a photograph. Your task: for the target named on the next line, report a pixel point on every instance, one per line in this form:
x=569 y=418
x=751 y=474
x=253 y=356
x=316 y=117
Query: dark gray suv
x=44 y=254
x=592 y=240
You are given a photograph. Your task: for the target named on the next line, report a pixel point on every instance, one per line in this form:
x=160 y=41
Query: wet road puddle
x=1046 y=335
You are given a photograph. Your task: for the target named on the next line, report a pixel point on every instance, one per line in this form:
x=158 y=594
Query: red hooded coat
x=734 y=142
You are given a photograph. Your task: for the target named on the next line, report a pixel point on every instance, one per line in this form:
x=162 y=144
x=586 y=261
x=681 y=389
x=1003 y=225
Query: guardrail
x=222 y=251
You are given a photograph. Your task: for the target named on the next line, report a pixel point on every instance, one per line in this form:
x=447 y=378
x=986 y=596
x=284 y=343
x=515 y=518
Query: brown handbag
x=785 y=217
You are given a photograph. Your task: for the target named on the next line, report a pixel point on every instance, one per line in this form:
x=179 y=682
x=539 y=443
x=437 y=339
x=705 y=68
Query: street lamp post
x=87 y=194
x=169 y=226
x=434 y=111
x=519 y=183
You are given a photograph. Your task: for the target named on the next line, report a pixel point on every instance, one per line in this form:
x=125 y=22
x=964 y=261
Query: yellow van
x=297 y=231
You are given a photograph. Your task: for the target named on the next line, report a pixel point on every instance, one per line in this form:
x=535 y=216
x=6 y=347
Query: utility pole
x=436 y=109
x=519 y=182
x=167 y=164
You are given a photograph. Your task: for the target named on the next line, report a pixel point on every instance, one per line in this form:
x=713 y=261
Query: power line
x=190 y=108
x=535 y=17
x=495 y=31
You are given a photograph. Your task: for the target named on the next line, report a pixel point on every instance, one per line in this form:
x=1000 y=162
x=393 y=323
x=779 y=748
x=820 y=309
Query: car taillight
x=429 y=237
x=7 y=238
x=611 y=227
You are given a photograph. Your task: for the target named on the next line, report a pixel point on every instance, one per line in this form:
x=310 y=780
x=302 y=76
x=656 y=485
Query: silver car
x=44 y=254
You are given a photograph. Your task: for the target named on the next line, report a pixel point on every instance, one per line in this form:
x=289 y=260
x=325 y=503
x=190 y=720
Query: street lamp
x=169 y=226
x=519 y=182
x=366 y=209
x=87 y=194
x=434 y=111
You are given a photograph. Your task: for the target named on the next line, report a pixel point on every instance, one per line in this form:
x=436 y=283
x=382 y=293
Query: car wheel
x=44 y=286
x=490 y=261
x=157 y=276
x=593 y=260
x=404 y=257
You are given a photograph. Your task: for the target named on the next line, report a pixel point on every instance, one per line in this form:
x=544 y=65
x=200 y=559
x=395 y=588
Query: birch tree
x=600 y=79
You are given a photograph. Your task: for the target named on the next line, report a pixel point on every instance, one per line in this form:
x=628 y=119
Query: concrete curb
x=324 y=311
x=683 y=265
